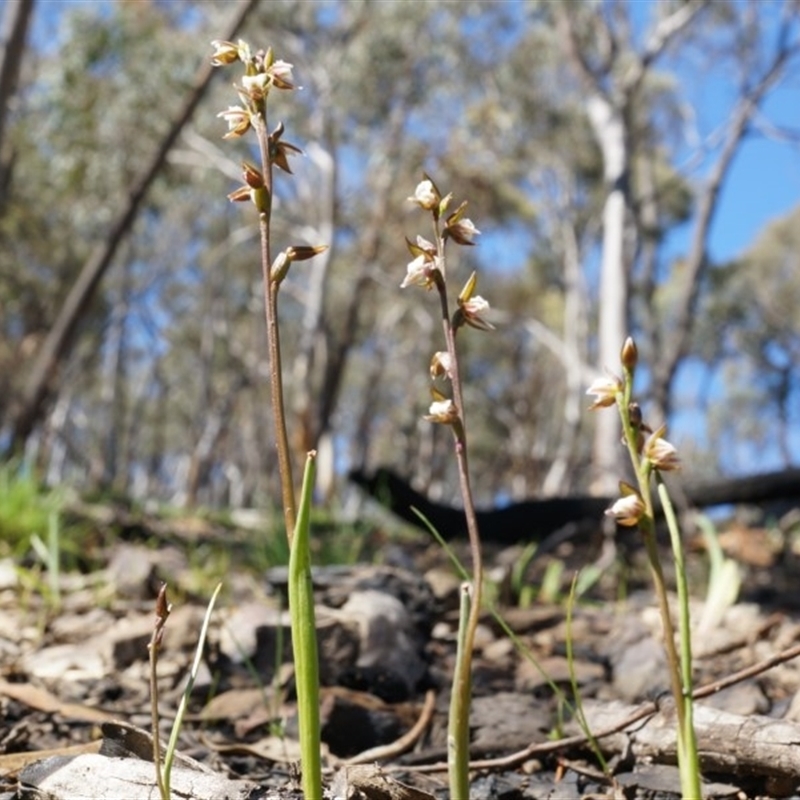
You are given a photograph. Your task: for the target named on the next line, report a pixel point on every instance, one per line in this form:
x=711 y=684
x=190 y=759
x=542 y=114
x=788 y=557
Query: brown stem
x=273 y=335
x=460 y=437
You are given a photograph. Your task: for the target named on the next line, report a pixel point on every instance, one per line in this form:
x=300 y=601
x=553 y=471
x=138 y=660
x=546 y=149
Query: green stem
x=304 y=641
x=172 y=746
x=688 y=760
x=648 y=531
x=458 y=723
x=679 y=666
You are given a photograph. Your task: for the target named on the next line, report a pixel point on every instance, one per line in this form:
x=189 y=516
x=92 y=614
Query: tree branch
x=676 y=345
x=28 y=409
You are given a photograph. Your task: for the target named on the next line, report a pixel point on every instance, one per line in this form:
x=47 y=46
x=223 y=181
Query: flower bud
x=444 y=204
x=422 y=247
x=256 y=86
x=280 y=74
x=279 y=152
x=471 y=307
x=629 y=355
x=461 y=231
x=422 y=271
x=241 y=194
x=252 y=176
x=280 y=266
x=302 y=252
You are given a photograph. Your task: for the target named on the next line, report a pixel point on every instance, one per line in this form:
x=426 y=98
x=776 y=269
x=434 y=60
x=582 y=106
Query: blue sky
x=764 y=181
x=764 y=184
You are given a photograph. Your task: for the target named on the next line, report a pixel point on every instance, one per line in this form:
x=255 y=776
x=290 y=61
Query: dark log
x=781 y=485
x=535 y=520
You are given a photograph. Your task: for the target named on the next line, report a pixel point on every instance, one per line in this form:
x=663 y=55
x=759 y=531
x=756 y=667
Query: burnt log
x=537 y=519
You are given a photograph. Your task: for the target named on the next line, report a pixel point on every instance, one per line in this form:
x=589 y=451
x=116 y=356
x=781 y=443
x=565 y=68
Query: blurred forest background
x=132 y=345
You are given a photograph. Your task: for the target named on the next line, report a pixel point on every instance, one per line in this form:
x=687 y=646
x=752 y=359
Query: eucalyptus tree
x=629 y=73
x=14 y=25
x=88 y=81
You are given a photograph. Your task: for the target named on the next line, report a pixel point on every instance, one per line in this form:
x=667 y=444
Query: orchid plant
x=428 y=269
x=651 y=455
x=263 y=73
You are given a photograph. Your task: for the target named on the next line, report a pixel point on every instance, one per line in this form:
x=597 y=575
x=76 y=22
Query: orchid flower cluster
x=428 y=270
x=649 y=449
x=262 y=73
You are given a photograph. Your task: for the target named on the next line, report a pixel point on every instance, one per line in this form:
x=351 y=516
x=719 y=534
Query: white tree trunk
x=609 y=128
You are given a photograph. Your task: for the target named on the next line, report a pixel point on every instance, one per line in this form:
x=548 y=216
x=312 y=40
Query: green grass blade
x=304 y=641
x=172 y=746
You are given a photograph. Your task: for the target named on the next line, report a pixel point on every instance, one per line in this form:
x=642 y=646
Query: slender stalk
x=460 y=435
x=172 y=745
x=679 y=664
x=688 y=758
x=155 y=718
x=273 y=332
x=647 y=529
x=163 y=609
x=264 y=73
x=458 y=722
x=471 y=596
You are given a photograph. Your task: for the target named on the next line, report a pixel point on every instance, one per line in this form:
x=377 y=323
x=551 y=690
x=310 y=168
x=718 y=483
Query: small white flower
x=427 y=246
x=228 y=52
x=256 y=86
x=425 y=195
x=443 y=412
x=627 y=511
x=238 y=120
x=605 y=391
x=472 y=310
x=661 y=453
x=281 y=73
x=463 y=231
x=420 y=272
x=475 y=305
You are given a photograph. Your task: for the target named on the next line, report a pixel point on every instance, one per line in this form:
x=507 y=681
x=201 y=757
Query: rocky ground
x=75 y=697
